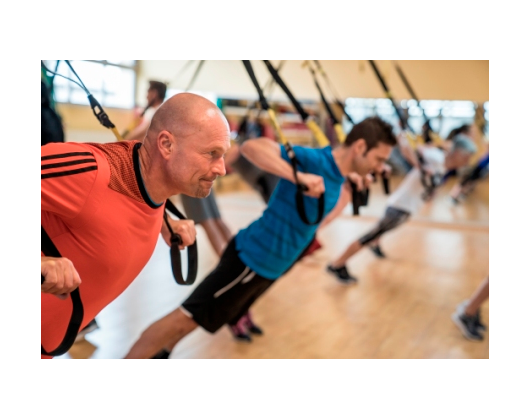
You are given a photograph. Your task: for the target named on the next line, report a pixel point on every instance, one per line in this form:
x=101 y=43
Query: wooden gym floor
x=401 y=307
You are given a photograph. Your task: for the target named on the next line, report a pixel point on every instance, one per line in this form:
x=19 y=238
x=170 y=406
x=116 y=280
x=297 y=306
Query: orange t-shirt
x=98 y=214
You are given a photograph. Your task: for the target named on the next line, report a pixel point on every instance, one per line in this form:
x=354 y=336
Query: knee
x=183 y=323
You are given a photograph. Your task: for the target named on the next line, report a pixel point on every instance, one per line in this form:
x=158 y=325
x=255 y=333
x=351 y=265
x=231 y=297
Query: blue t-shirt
x=271 y=244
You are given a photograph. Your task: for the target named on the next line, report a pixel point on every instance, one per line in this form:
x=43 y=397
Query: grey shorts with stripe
x=392 y=219
x=200 y=209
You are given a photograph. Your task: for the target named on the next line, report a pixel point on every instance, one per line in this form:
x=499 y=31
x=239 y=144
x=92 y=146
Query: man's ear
x=165 y=143
x=359 y=147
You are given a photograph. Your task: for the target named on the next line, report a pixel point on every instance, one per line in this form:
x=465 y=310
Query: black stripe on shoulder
x=65 y=155
x=69 y=163
x=66 y=173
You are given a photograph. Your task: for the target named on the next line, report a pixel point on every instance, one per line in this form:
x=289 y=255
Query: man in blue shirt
x=268 y=248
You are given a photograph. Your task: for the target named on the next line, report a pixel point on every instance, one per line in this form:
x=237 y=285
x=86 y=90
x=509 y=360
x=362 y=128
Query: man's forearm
x=266 y=155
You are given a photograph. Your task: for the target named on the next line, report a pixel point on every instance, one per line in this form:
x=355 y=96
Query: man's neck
x=339 y=154
x=156 y=103
x=151 y=179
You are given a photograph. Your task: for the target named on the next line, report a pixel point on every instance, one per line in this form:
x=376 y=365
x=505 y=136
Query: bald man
x=102 y=205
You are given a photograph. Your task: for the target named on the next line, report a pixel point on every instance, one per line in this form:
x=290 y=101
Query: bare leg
x=350 y=252
x=480 y=295
x=164 y=333
x=215 y=235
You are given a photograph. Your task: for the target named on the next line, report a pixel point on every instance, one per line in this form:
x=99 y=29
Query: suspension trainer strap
x=428 y=181
x=386 y=183
x=97 y=109
x=409 y=88
x=176 y=241
x=341 y=105
x=400 y=115
x=336 y=124
x=48 y=248
x=358 y=198
x=429 y=134
x=328 y=82
x=290 y=152
x=309 y=122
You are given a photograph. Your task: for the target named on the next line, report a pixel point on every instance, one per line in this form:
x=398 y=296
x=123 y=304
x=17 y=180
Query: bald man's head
x=185 y=114
x=187 y=140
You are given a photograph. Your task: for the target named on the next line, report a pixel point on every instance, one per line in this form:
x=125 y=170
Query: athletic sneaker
x=162 y=354
x=477 y=319
x=467 y=326
x=376 y=249
x=478 y=322
x=342 y=274
x=249 y=324
x=239 y=333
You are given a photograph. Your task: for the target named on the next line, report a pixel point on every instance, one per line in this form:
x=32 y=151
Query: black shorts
x=226 y=294
x=392 y=219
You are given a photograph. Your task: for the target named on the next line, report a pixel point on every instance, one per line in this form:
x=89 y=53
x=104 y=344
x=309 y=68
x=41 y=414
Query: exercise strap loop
x=288 y=148
x=336 y=124
x=428 y=181
x=176 y=241
x=49 y=249
x=309 y=122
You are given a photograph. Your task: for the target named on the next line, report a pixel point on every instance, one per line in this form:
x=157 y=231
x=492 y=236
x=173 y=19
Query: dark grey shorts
x=392 y=219
x=200 y=209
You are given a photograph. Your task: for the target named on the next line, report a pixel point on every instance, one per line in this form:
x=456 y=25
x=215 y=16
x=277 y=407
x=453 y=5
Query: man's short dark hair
x=159 y=87
x=373 y=130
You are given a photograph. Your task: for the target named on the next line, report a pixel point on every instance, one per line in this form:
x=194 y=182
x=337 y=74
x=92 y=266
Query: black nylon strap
x=427 y=181
x=301 y=208
x=341 y=105
x=358 y=198
x=176 y=261
x=284 y=87
x=323 y=98
x=300 y=188
x=401 y=117
x=386 y=183
x=49 y=249
x=290 y=152
x=410 y=90
x=263 y=101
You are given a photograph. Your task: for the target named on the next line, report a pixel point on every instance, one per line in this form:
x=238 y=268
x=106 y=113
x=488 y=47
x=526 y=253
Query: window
x=111 y=82
x=443 y=115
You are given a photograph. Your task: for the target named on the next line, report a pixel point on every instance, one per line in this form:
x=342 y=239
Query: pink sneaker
x=249 y=324
x=238 y=331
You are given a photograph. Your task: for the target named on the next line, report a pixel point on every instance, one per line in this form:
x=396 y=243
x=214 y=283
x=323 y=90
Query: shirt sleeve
x=68 y=173
x=302 y=157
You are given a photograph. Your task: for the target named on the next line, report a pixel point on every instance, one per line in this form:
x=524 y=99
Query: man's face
x=152 y=96
x=457 y=159
x=200 y=158
x=364 y=162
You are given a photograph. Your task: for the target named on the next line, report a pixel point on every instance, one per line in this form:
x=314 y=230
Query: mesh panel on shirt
x=122 y=176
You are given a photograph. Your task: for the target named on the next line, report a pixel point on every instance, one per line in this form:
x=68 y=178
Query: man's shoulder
x=63 y=148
